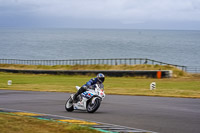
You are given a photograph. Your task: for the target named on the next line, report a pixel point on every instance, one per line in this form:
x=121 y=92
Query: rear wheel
x=69 y=105
x=92 y=107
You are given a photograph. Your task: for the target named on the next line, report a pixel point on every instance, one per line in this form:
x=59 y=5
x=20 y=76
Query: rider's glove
x=91 y=87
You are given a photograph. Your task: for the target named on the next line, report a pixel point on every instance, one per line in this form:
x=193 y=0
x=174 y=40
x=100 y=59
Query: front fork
x=94 y=98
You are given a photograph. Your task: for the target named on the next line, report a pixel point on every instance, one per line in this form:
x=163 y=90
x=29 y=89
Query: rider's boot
x=81 y=90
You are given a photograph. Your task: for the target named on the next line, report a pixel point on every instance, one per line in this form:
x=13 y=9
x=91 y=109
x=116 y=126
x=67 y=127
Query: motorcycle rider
x=89 y=85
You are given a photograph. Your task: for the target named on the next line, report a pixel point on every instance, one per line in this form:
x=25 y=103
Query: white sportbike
x=89 y=100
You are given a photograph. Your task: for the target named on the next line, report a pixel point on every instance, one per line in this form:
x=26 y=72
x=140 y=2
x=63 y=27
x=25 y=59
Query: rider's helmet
x=100 y=77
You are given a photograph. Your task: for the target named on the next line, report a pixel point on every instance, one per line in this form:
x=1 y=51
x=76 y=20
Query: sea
x=180 y=47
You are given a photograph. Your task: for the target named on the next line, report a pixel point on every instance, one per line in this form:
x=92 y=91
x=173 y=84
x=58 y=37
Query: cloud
x=123 y=11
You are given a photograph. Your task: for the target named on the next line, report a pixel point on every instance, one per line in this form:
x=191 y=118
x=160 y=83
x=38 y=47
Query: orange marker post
x=159 y=74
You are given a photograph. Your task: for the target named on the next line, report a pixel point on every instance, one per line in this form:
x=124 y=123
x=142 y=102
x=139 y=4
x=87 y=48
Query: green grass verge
x=172 y=87
x=21 y=124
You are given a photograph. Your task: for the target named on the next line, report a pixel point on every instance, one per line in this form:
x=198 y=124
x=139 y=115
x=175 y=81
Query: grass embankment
x=21 y=124
x=176 y=72
x=169 y=87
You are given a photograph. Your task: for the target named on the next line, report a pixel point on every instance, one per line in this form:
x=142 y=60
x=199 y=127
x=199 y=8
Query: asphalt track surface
x=158 y=114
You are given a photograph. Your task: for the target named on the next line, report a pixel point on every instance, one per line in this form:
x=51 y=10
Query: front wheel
x=92 y=107
x=69 y=105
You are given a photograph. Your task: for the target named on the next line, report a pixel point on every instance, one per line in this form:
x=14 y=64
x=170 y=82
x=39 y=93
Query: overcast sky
x=128 y=14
